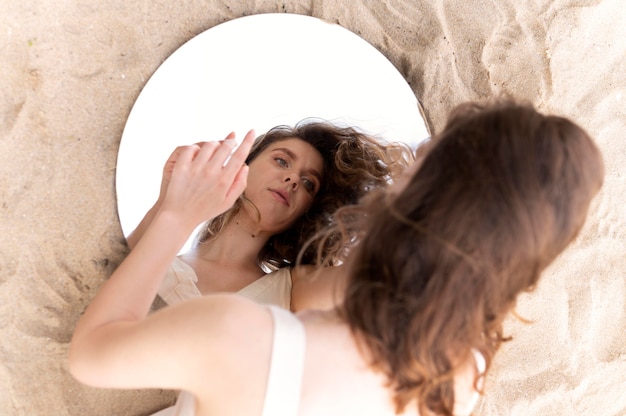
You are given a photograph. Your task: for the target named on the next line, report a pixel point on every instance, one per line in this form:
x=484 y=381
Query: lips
x=281 y=196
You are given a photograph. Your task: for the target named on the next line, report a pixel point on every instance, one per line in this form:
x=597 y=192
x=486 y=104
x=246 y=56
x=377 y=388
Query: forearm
x=131 y=289
x=133 y=238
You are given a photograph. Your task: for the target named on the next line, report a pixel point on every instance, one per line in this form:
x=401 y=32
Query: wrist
x=172 y=225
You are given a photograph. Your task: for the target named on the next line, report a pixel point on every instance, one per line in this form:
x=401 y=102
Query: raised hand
x=134 y=237
x=201 y=181
x=168 y=168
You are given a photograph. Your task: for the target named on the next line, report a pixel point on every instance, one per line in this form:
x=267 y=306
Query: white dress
x=180 y=284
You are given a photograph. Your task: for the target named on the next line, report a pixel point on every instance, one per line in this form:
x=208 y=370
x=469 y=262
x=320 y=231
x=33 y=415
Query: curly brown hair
x=354 y=164
x=500 y=193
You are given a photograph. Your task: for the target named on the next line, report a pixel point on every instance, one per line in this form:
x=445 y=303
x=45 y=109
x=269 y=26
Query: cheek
x=304 y=203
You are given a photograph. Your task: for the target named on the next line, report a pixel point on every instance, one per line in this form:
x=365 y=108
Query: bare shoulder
x=229 y=338
x=317 y=287
x=301 y=272
x=222 y=318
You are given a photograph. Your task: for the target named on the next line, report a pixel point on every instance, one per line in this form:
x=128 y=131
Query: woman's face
x=283 y=181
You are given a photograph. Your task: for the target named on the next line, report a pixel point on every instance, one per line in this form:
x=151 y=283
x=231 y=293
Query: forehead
x=299 y=149
x=291 y=142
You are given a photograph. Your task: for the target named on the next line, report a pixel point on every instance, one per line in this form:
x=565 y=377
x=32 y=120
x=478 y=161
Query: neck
x=239 y=242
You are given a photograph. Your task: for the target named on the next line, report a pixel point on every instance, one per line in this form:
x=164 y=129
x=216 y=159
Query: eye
x=281 y=162
x=308 y=184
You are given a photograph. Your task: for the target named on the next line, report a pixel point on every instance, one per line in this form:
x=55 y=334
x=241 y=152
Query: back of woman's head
x=354 y=163
x=500 y=193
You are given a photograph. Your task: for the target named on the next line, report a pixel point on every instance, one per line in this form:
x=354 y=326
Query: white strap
x=282 y=395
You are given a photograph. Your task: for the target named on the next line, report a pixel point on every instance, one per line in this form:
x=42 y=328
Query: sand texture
x=71 y=71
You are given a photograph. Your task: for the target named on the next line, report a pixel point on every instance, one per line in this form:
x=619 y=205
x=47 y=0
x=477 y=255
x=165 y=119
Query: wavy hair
x=354 y=164
x=500 y=193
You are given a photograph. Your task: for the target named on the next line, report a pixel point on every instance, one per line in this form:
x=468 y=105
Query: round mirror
x=257 y=72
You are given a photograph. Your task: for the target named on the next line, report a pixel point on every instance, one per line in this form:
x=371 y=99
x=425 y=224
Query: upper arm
x=317 y=288
x=187 y=346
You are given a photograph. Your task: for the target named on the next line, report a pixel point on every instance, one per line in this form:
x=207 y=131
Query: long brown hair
x=501 y=192
x=354 y=163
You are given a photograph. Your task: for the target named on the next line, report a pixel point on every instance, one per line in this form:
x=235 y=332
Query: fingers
x=208 y=152
x=171 y=161
x=221 y=154
x=187 y=154
x=239 y=156
x=215 y=155
x=207 y=177
x=238 y=185
x=210 y=147
x=176 y=153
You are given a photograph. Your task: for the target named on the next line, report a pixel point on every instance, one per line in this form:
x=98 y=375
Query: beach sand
x=71 y=72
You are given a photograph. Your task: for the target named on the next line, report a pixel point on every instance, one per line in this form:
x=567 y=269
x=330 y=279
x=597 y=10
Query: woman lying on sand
x=499 y=194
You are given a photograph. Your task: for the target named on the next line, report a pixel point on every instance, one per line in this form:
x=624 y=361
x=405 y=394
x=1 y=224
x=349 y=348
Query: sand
x=69 y=75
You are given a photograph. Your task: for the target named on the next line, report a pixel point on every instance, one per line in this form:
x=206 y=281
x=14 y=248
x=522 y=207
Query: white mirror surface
x=257 y=72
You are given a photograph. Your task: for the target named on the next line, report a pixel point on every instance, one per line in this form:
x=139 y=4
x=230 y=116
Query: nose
x=292 y=181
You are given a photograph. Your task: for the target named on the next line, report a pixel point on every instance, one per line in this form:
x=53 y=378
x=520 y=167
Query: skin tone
x=282 y=183
x=317 y=288
x=117 y=345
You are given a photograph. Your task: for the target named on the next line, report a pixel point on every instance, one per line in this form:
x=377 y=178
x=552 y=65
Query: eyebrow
x=295 y=157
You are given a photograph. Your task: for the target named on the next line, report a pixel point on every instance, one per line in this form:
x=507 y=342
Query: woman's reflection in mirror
x=298 y=177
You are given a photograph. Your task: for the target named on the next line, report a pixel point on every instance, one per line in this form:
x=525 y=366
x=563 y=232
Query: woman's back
x=336 y=377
